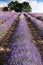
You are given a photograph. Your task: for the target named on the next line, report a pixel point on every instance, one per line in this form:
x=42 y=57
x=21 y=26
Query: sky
x=37 y=5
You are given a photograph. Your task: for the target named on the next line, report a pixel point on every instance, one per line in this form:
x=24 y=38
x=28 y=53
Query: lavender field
x=21 y=38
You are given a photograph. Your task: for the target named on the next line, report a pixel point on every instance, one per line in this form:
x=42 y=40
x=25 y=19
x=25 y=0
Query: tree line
x=18 y=7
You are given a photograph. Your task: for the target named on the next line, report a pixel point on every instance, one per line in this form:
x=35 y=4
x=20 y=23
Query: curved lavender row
x=4 y=38
x=6 y=15
x=33 y=14
x=5 y=27
x=23 y=50
x=38 y=16
x=38 y=24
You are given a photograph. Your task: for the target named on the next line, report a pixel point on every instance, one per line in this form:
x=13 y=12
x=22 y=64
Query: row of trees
x=18 y=7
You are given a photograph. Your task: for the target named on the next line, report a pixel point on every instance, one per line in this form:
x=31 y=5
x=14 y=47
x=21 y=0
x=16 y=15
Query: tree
x=15 y=6
x=19 y=7
x=11 y=5
x=26 y=7
x=5 y=9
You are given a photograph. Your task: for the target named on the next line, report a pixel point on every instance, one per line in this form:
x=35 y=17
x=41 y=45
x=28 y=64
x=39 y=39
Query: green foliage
x=26 y=7
x=5 y=9
x=19 y=7
x=11 y=5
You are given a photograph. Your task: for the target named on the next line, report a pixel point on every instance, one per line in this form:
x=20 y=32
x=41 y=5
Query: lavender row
x=6 y=25
x=6 y=31
x=37 y=23
x=5 y=16
x=37 y=15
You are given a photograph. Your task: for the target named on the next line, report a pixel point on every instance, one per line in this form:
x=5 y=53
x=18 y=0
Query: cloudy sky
x=37 y=5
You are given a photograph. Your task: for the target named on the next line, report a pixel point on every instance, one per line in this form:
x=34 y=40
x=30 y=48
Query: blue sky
x=37 y=5
x=40 y=0
x=20 y=0
x=4 y=0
